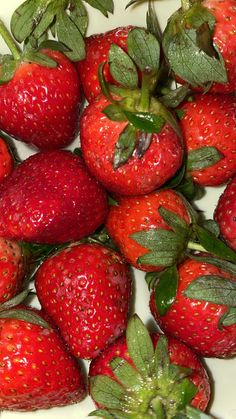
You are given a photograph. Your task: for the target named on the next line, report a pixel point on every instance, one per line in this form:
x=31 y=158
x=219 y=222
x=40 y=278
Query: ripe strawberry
x=97 y=47
x=139 y=214
x=138 y=174
x=146 y=373
x=209 y=129
x=203 y=313
x=51 y=198
x=86 y=290
x=39 y=97
x=225 y=213
x=12 y=269
x=37 y=371
x=6 y=160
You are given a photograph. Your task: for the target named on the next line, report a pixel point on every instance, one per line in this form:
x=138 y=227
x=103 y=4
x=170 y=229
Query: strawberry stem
x=12 y=45
x=145 y=93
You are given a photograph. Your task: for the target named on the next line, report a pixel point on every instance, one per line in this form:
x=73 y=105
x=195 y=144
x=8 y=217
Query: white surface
x=223 y=372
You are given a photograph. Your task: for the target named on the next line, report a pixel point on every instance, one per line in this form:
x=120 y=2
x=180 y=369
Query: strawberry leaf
x=214 y=289
x=102 y=414
x=24 y=315
x=106 y=391
x=104 y=6
x=166 y=289
x=173 y=220
x=220 y=263
x=173 y=98
x=203 y=157
x=68 y=33
x=228 y=318
x=144 y=49
x=18 y=299
x=115 y=112
x=192 y=413
x=122 y=67
x=79 y=15
x=26 y=17
x=125 y=373
x=39 y=58
x=152 y=22
x=144 y=121
x=8 y=68
x=125 y=146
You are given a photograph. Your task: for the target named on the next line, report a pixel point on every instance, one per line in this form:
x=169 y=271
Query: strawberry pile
x=125 y=131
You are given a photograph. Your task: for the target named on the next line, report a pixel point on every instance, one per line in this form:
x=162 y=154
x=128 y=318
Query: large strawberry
x=203 y=312
x=208 y=125
x=225 y=213
x=199 y=44
x=51 y=198
x=37 y=371
x=86 y=289
x=6 y=160
x=148 y=376
x=39 y=96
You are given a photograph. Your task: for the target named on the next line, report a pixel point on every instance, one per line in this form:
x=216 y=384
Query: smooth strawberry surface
x=140 y=213
x=97 y=48
x=137 y=176
x=40 y=105
x=179 y=353
x=6 y=160
x=12 y=269
x=197 y=322
x=37 y=371
x=51 y=198
x=86 y=289
x=225 y=213
x=210 y=120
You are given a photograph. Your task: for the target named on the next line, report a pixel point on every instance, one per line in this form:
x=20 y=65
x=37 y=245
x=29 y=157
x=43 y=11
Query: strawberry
x=37 y=371
x=96 y=49
x=225 y=213
x=148 y=375
x=209 y=128
x=51 y=198
x=203 y=313
x=86 y=288
x=6 y=160
x=199 y=44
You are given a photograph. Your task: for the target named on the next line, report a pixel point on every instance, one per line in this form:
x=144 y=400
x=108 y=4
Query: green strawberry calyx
x=150 y=386
x=189 y=34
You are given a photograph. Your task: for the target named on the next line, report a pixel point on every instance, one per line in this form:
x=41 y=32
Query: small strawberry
x=97 y=49
x=51 y=198
x=37 y=371
x=39 y=96
x=225 y=213
x=143 y=375
x=86 y=289
x=209 y=129
x=6 y=160
x=199 y=43
x=203 y=314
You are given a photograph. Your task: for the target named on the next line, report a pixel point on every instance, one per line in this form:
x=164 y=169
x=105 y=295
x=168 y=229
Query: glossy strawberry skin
x=210 y=120
x=12 y=269
x=139 y=213
x=51 y=198
x=99 y=136
x=97 y=48
x=37 y=371
x=86 y=289
x=179 y=353
x=6 y=160
x=225 y=213
x=40 y=105
x=195 y=322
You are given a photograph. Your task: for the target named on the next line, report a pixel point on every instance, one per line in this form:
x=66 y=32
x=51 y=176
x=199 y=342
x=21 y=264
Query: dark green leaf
x=79 y=15
x=26 y=17
x=203 y=157
x=220 y=263
x=104 y=6
x=190 y=190
x=8 y=69
x=102 y=414
x=173 y=98
x=131 y=2
x=18 y=299
x=68 y=33
x=212 y=226
x=162 y=359
x=125 y=373
x=140 y=347
x=103 y=83
x=40 y=58
x=177 y=223
x=229 y=317
x=213 y=288
x=177 y=179
x=24 y=315
x=115 y=112
x=152 y=22
x=184 y=391
x=161 y=258
x=151 y=279
x=52 y=44
x=125 y=146
x=45 y=18
x=122 y=67
x=145 y=121
x=106 y=391
x=144 y=49
x=166 y=289
x=157 y=108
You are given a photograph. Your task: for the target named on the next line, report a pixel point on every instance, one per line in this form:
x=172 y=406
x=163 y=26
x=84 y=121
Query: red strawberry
x=225 y=213
x=140 y=173
x=6 y=160
x=37 y=371
x=209 y=130
x=86 y=290
x=97 y=47
x=40 y=104
x=139 y=214
x=144 y=371
x=201 y=315
x=12 y=269
x=51 y=198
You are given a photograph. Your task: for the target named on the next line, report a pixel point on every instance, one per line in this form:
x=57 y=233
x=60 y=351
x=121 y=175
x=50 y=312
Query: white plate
x=223 y=372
